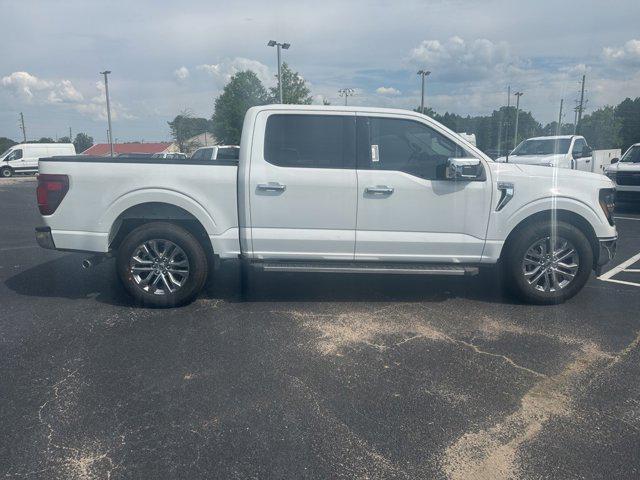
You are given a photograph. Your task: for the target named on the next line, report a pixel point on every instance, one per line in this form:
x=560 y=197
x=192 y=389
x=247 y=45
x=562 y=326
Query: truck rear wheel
x=545 y=265
x=162 y=265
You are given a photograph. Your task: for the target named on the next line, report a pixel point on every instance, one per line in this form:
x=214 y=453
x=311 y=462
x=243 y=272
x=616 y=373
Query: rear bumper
x=44 y=238
x=606 y=252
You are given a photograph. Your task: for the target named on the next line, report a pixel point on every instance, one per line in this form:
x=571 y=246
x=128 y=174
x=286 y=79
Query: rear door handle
x=379 y=190
x=272 y=187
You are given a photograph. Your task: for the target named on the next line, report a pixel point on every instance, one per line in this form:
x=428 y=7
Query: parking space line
x=626 y=218
x=606 y=277
x=623 y=282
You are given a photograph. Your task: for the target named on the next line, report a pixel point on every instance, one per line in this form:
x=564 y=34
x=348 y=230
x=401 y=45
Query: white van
x=23 y=158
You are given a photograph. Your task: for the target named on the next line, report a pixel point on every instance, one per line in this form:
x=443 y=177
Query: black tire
x=6 y=172
x=167 y=232
x=513 y=262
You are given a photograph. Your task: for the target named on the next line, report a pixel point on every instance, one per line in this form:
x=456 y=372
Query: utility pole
x=284 y=46
x=508 y=96
x=559 y=129
x=515 y=135
x=581 y=104
x=346 y=93
x=423 y=73
x=106 y=92
x=24 y=131
x=70 y=136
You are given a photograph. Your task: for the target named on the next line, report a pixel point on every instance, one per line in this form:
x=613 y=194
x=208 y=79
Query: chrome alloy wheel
x=159 y=266
x=550 y=264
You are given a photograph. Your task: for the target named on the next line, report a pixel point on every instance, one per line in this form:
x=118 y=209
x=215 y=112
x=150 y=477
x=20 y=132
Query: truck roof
x=555 y=137
x=335 y=108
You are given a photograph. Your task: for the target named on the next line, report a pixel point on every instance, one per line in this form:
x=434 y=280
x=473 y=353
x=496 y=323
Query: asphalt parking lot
x=312 y=376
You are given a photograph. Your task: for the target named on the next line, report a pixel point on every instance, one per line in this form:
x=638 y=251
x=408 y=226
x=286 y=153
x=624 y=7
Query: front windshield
x=542 y=147
x=632 y=155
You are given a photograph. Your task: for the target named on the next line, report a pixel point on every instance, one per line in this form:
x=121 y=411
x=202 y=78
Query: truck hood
x=624 y=167
x=546 y=176
x=544 y=160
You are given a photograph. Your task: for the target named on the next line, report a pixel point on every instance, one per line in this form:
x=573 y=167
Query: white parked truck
x=563 y=151
x=331 y=189
x=626 y=174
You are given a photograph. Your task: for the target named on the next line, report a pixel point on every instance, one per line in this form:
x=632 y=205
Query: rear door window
x=310 y=141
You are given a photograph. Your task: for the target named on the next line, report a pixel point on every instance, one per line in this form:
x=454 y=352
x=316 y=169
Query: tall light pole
x=423 y=73
x=106 y=92
x=346 y=93
x=559 y=131
x=284 y=46
x=515 y=135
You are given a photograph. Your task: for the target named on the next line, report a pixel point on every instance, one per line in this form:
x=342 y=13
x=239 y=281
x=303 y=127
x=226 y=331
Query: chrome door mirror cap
x=464 y=169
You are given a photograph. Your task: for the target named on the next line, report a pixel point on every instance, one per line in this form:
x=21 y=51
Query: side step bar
x=351 y=267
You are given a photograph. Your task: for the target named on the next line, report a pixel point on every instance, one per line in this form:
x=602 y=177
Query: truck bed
x=102 y=188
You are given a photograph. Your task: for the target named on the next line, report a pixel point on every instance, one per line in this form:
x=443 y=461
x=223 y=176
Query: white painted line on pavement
x=626 y=218
x=624 y=282
x=606 y=277
x=632 y=270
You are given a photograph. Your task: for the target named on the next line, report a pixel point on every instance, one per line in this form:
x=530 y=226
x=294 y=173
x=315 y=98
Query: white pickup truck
x=626 y=174
x=564 y=151
x=331 y=189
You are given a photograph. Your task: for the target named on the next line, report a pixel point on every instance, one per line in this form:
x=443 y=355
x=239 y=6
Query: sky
x=168 y=57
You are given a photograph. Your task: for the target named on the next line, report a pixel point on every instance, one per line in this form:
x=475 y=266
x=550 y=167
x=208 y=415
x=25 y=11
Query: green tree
x=82 y=142
x=186 y=126
x=628 y=113
x=601 y=128
x=6 y=143
x=294 y=88
x=45 y=140
x=64 y=140
x=552 y=129
x=243 y=91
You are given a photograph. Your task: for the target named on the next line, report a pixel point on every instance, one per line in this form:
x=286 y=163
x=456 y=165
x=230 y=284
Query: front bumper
x=606 y=252
x=44 y=238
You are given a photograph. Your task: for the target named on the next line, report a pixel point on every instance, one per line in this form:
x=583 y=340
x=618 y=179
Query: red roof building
x=103 y=150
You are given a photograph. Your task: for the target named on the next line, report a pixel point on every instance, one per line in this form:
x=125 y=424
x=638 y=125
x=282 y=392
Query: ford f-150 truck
x=331 y=189
x=626 y=174
x=564 y=151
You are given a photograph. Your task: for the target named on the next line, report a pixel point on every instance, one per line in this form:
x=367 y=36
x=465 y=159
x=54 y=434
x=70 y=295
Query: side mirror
x=464 y=169
x=614 y=160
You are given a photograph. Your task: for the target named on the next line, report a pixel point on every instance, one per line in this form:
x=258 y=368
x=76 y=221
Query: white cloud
x=96 y=107
x=460 y=57
x=388 y=91
x=629 y=53
x=32 y=89
x=224 y=70
x=181 y=74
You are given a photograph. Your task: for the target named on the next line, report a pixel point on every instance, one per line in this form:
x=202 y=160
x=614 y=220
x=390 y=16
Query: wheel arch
x=567 y=216
x=147 y=212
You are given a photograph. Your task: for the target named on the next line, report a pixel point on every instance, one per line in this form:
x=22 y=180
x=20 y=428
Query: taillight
x=50 y=192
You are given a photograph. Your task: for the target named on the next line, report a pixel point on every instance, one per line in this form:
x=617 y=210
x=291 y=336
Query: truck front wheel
x=6 y=172
x=547 y=264
x=162 y=265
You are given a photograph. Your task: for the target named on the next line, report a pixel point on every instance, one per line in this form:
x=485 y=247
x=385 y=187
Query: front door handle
x=272 y=187
x=379 y=190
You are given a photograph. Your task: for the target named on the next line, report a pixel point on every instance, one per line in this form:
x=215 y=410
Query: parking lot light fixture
x=423 y=73
x=278 y=45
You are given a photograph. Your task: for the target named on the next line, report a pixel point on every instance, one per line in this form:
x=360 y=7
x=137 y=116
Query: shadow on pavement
x=65 y=278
